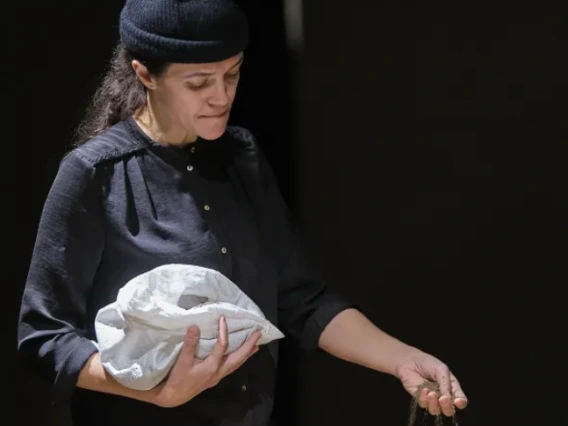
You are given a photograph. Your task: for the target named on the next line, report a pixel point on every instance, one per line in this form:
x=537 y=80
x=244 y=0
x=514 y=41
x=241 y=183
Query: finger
x=433 y=407
x=253 y=339
x=423 y=398
x=242 y=354
x=231 y=365
x=443 y=379
x=246 y=349
x=460 y=400
x=189 y=348
x=216 y=356
x=446 y=405
x=443 y=376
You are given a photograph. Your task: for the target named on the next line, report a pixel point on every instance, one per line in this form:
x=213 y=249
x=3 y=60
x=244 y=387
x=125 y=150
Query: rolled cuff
x=68 y=374
x=321 y=317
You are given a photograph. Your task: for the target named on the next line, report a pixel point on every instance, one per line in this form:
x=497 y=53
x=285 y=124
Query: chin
x=212 y=132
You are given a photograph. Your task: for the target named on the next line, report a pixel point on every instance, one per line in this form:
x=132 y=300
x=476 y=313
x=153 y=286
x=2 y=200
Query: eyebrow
x=205 y=74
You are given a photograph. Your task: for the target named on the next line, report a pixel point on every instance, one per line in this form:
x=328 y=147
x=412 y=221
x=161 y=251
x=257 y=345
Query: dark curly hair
x=119 y=95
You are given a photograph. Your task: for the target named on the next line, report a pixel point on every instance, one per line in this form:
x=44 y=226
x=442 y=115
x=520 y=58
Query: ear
x=143 y=75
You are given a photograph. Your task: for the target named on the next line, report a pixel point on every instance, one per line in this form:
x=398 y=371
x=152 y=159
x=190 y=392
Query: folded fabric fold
x=140 y=335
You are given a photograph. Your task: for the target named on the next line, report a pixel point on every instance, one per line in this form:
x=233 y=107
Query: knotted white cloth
x=140 y=335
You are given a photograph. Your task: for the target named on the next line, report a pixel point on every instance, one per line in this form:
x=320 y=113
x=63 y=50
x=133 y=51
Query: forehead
x=184 y=70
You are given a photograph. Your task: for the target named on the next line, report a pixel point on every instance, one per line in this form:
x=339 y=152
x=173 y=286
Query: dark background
x=424 y=156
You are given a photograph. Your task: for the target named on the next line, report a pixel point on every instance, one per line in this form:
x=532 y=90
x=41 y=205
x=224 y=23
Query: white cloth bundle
x=140 y=335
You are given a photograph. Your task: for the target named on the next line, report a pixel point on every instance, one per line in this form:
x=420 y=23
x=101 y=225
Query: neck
x=160 y=126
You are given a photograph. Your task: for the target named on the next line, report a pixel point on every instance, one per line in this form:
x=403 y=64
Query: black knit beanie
x=183 y=31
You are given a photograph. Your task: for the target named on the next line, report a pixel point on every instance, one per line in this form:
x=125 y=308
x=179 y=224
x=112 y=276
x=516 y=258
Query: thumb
x=190 y=343
x=412 y=381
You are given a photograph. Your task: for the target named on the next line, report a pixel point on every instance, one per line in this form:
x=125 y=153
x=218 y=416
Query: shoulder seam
x=107 y=155
x=114 y=143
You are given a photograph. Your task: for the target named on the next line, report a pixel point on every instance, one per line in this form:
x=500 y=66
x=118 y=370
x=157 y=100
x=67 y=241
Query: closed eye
x=197 y=86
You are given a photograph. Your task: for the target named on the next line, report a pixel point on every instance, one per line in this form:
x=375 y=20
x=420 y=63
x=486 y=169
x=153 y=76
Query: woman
x=159 y=177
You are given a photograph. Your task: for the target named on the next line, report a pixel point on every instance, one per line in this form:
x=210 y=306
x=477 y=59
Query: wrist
x=402 y=358
x=159 y=396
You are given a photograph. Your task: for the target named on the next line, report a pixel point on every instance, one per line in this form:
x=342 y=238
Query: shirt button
x=189 y=168
x=243 y=388
x=224 y=250
x=207 y=207
x=192 y=149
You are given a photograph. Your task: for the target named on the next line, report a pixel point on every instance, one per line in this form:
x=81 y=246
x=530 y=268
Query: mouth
x=216 y=116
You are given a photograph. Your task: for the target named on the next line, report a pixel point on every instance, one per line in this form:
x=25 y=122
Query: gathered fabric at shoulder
x=140 y=335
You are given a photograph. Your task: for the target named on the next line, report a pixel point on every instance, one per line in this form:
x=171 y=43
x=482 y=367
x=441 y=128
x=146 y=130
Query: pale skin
x=352 y=337
x=194 y=100
x=188 y=377
x=189 y=100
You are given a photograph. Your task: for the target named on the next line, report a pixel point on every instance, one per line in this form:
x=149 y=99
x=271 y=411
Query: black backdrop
x=425 y=163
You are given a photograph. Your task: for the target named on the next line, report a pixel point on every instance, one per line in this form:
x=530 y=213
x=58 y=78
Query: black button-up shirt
x=122 y=204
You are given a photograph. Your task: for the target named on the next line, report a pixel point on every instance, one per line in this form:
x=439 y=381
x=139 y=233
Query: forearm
x=352 y=337
x=94 y=377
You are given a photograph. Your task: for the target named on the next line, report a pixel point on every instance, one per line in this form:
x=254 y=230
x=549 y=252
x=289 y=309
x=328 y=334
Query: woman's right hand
x=190 y=376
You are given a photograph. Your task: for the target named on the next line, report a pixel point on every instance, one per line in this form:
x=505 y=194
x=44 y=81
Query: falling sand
x=439 y=419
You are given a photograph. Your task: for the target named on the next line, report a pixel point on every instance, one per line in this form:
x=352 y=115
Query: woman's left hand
x=417 y=368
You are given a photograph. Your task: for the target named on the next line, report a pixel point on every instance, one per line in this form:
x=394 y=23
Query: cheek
x=186 y=105
x=231 y=91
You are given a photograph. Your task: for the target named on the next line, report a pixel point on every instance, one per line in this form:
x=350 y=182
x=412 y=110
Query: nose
x=220 y=97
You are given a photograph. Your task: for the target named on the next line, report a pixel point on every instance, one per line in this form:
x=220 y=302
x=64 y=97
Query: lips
x=216 y=116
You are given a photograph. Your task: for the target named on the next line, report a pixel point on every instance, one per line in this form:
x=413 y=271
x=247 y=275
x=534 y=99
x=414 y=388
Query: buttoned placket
x=209 y=214
x=189 y=166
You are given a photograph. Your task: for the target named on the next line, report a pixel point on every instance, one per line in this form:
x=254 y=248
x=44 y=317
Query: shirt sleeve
x=68 y=247
x=305 y=303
